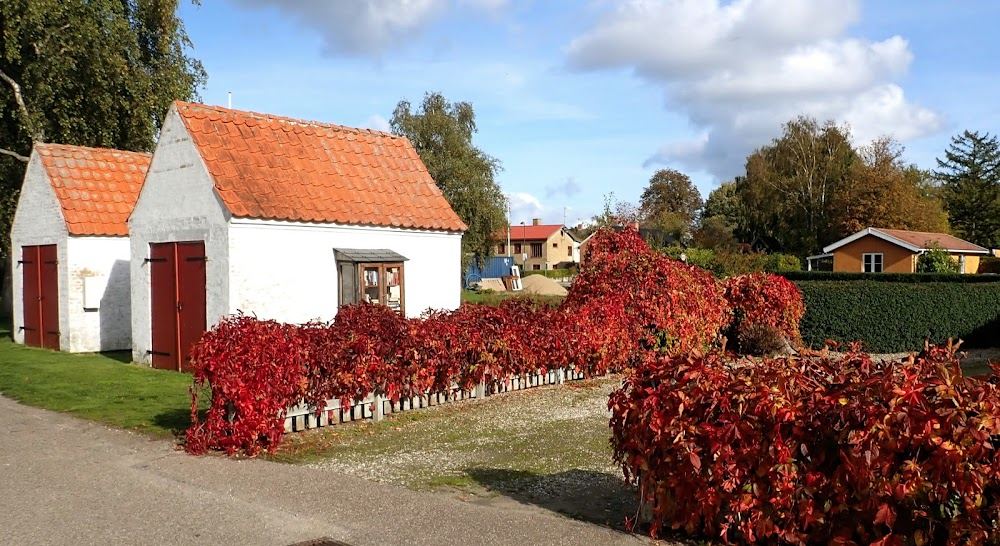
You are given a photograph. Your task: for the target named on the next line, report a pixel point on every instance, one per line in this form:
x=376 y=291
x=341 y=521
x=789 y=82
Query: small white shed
x=285 y=219
x=70 y=266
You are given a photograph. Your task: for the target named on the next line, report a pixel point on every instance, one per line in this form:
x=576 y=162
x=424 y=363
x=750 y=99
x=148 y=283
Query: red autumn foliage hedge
x=763 y=298
x=668 y=305
x=627 y=298
x=826 y=449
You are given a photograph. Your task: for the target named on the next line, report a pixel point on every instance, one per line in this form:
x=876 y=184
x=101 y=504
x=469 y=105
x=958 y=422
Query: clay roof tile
x=94 y=180
x=281 y=168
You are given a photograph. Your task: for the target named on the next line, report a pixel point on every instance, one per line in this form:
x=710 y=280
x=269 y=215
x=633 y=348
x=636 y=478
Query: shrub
x=674 y=307
x=899 y=316
x=888 y=277
x=762 y=298
x=936 y=260
x=256 y=370
x=989 y=265
x=759 y=339
x=552 y=273
x=818 y=450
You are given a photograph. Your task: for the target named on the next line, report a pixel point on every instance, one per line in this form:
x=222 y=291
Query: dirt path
x=67 y=481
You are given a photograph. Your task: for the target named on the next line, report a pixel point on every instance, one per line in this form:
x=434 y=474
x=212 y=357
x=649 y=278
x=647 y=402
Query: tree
x=442 y=132
x=787 y=193
x=670 y=202
x=883 y=191
x=971 y=187
x=86 y=72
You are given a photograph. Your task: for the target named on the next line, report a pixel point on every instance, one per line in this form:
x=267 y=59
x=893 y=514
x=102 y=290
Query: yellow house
x=539 y=246
x=877 y=250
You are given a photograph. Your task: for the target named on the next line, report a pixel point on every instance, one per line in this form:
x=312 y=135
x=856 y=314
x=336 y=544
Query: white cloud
x=524 y=207
x=369 y=27
x=376 y=122
x=739 y=70
x=567 y=188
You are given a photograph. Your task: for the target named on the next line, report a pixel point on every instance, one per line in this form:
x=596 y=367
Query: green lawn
x=494 y=298
x=100 y=387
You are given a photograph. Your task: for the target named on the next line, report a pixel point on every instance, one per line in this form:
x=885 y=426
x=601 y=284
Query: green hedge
x=894 y=317
x=551 y=273
x=888 y=277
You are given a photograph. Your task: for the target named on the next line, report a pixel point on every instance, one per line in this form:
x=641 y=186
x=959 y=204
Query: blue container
x=494 y=267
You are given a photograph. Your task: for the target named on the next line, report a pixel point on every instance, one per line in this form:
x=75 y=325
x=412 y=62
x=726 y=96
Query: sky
x=579 y=100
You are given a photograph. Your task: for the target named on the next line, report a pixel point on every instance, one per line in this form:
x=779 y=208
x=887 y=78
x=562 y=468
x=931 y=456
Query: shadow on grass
x=125 y=357
x=594 y=497
x=177 y=421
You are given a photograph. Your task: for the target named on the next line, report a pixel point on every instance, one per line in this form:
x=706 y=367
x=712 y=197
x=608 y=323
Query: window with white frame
x=872 y=262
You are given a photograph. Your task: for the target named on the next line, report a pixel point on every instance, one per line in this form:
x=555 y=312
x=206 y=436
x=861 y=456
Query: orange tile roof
x=924 y=239
x=96 y=187
x=277 y=168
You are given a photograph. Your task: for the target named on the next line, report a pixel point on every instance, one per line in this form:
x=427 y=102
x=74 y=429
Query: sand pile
x=542 y=286
x=495 y=285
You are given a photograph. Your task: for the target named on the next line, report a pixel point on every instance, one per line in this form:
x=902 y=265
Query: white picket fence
x=303 y=417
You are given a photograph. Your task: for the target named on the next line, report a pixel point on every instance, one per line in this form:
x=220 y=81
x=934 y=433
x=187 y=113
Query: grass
x=494 y=298
x=104 y=387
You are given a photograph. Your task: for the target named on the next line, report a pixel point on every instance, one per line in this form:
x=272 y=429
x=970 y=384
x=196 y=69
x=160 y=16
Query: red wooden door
x=177 y=291
x=30 y=270
x=49 y=280
x=40 y=270
x=163 y=305
x=190 y=298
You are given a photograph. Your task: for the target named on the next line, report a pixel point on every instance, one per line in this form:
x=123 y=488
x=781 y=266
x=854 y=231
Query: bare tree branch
x=35 y=136
x=13 y=154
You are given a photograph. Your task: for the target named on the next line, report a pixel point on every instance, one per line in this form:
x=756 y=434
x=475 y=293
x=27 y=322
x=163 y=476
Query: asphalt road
x=73 y=482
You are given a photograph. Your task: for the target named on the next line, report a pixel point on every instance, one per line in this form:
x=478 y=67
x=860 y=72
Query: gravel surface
x=546 y=447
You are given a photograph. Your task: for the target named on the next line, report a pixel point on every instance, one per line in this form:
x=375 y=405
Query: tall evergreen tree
x=87 y=72
x=441 y=132
x=970 y=180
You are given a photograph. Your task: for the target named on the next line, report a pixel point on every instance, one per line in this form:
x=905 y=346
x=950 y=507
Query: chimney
x=536 y=221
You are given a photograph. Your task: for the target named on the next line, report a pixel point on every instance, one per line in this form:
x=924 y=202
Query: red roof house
x=284 y=218
x=70 y=236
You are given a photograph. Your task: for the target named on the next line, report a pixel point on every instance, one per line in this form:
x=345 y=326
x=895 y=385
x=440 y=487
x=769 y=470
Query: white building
x=284 y=219
x=70 y=268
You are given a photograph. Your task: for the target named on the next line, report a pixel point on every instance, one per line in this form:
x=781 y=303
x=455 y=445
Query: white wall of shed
x=286 y=271
x=106 y=326
x=177 y=203
x=38 y=220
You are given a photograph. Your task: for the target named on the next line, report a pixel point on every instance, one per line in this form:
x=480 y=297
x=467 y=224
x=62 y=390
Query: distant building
x=540 y=246
x=877 y=250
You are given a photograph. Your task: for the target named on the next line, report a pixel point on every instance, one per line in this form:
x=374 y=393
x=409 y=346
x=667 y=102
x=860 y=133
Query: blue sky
x=581 y=99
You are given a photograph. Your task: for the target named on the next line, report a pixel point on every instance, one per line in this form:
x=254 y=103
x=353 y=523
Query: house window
x=555 y=245
x=362 y=279
x=569 y=251
x=382 y=284
x=501 y=249
x=517 y=248
x=872 y=262
x=536 y=267
x=536 y=250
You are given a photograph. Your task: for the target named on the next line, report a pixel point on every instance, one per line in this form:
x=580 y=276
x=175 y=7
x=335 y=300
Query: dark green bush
x=989 y=264
x=888 y=277
x=898 y=316
x=551 y=273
